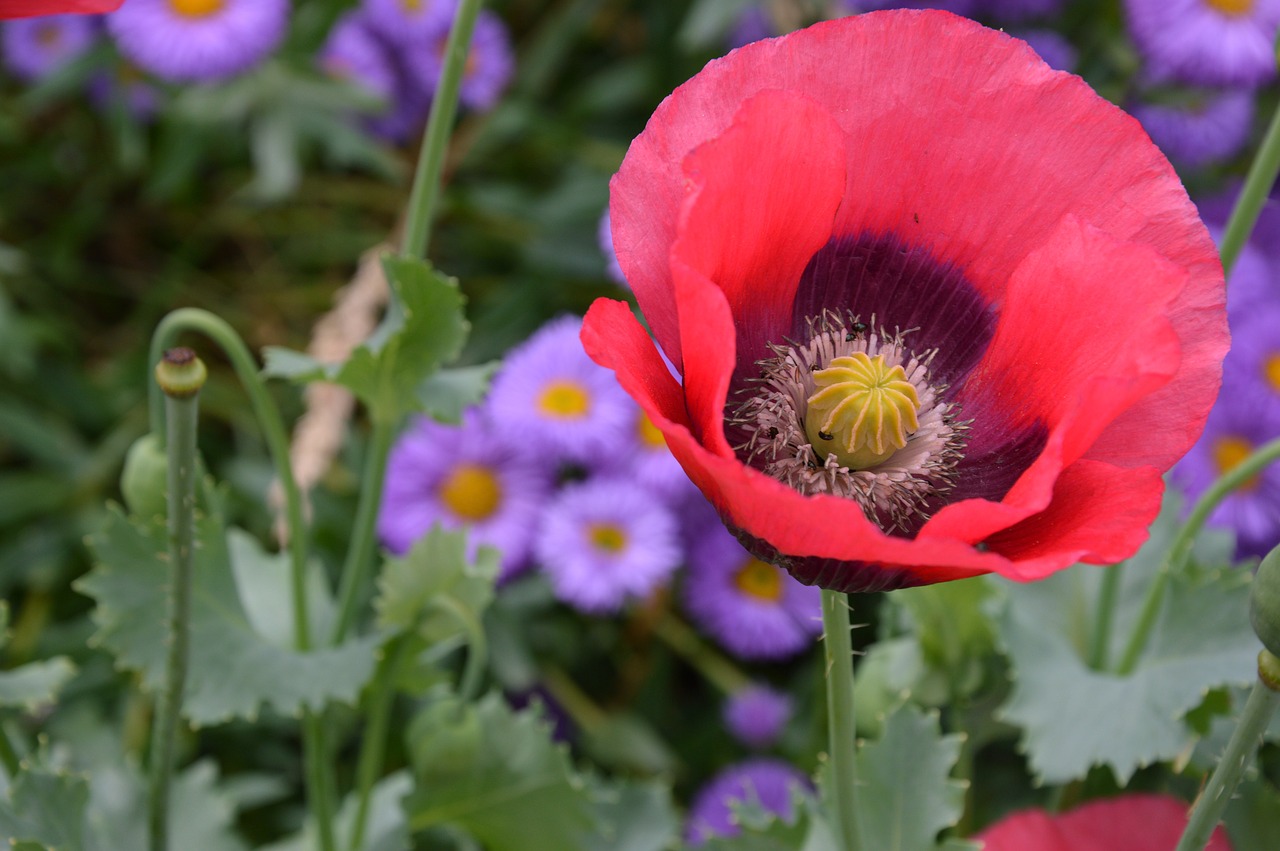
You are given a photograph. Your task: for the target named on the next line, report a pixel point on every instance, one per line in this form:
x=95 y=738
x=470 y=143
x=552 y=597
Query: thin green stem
x=374 y=742
x=477 y=646
x=269 y=420
x=181 y=414
x=1104 y=615
x=426 y=181
x=1257 y=186
x=568 y=695
x=841 y=732
x=1212 y=802
x=319 y=783
x=359 y=558
x=1180 y=550
x=718 y=670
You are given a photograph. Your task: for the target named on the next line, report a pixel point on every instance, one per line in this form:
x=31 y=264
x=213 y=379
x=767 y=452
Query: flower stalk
x=1212 y=802
x=180 y=375
x=841 y=731
x=1180 y=550
x=1254 y=193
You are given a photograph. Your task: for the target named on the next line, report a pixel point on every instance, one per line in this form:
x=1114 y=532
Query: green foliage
x=233 y=670
x=633 y=816
x=36 y=683
x=434 y=589
x=423 y=329
x=57 y=809
x=518 y=793
x=1074 y=717
x=1253 y=816
x=905 y=792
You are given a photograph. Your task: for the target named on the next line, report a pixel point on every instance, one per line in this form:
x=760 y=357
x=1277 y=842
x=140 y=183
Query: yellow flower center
x=1271 y=371
x=608 y=537
x=1234 y=8
x=411 y=5
x=862 y=410
x=196 y=8
x=759 y=579
x=1229 y=452
x=564 y=399
x=649 y=434
x=471 y=492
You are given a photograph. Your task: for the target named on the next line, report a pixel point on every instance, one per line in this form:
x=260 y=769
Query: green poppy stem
x=444 y=106
x=1212 y=802
x=319 y=782
x=1257 y=185
x=1180 y=550
x=841 y=732
x=355 y=568
x=1104 y=615
x=716 y=669
x=181 y=375
x=377 y=723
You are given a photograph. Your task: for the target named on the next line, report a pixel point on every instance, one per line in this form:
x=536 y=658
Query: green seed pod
x=1264 y=602
x=144 y=481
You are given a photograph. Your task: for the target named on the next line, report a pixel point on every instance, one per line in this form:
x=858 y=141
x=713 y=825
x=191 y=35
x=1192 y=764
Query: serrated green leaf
x=1074 y=717
x=634 y=816
x=106 y=810
x=424 y=328
x=264 y=585
x=519 y=778
x=35 y=684
x=448 y=392
x=431 y=585
x=233 y=671
x=905 y=792
x=385 y=828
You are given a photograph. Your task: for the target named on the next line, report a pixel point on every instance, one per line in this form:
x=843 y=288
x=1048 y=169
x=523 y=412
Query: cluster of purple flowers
x=391 y=48
x=564 y=473
x=1247 y=413
x=395 y=50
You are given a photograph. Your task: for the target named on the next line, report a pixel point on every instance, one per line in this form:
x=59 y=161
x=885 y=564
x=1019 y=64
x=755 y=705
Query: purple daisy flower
x=564 y=407
x=353 y=53
x=750 y=607
x=1235 y=428
x=1212 y=128
x=1207 y=42
x=1056 y=51
x=604 y=542
x=489 y=61
x=34 y=47
x=770 y=784
x=461 y=476
x=643 y=457
x=181 y=40
x=410 y=21
x=757 y=714
x=1251 y=369
x=604 y=235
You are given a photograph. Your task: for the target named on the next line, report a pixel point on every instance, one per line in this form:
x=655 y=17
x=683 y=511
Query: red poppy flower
x=1127 y=823
x=938 y=309
x=32 y=8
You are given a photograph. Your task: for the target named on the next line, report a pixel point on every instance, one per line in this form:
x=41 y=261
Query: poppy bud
x=1264 y=606
x=145 y=477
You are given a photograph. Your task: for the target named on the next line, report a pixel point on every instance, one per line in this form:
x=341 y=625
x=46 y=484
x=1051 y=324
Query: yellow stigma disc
x=472 y=492
x=862 y=410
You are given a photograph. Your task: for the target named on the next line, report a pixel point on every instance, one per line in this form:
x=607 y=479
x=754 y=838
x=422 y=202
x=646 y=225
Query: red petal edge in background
x=32 y=8
x=1126 y=823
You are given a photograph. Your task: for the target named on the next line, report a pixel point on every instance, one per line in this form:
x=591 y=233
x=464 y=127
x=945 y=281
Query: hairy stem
x=841 y=732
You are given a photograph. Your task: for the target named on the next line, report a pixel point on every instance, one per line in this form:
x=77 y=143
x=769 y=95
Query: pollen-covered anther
x=862 y=411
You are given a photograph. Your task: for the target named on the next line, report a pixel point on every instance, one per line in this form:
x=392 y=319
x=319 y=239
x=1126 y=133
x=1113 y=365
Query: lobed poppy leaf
x=234 y=670
x=1074 y=717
